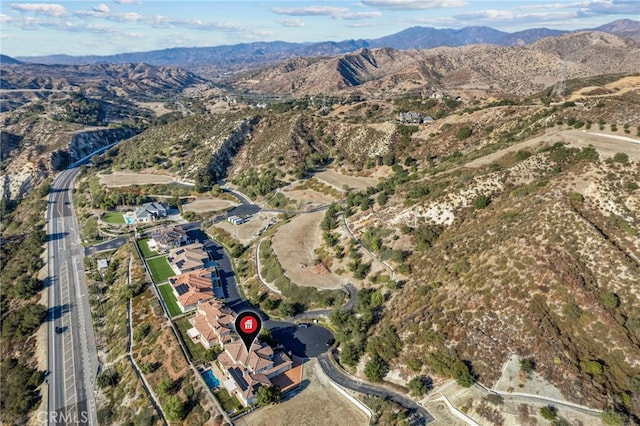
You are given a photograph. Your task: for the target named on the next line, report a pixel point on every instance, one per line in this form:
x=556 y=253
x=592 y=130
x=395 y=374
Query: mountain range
x=210 y=61
x=477 y=70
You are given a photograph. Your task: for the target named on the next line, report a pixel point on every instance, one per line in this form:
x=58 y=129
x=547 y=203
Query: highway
x=72 y=356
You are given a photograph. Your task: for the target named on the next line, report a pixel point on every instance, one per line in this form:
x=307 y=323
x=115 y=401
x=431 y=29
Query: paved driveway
x=306 y=342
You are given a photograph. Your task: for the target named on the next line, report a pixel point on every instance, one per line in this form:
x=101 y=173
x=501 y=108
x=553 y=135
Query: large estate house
x=212 y=324
x=149 y=212
x=246 y=370
x=194 y=287
x=189 y=258
x=169 y=237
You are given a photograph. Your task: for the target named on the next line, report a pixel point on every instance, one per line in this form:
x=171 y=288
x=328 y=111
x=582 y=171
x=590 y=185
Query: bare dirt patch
x=308 y=198
x=209 y=205
x=338 y=180
x=158 y=108
x=513 y=380
x=295 y=245
x=248 y=231
x=319 y=403
x=617 y=88
x=118 y=179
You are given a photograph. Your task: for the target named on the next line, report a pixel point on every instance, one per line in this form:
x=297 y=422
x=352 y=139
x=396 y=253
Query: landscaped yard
x=160 y=269
x=198 y=352
x=113 y=217
x=169 y=299
x=228 y=402
x=143 y=245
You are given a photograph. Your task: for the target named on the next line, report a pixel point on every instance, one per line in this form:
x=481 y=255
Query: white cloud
x=5 y=18
x=333 y=12
x=102 y=8
x=493 y=16
x=134 y=35
x=291 y=23
x=613 y=7
x=127 y=2
x=5 y=36
x=413 y=4
x=358 y=16
x=310 y=11
x=49 y=9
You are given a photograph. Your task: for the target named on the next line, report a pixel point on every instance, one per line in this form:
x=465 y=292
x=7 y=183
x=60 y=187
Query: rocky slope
x=37 y=147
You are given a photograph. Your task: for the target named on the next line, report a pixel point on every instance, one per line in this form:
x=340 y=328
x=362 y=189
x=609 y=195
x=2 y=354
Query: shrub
x=527 y=365
x=463 y=133
x=593 y=367
x=480 y=202
x=549 y=412
x=610 y=300
x=611 y=418
x=621 y=157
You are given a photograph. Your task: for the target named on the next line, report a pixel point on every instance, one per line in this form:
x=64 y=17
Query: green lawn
x=169 y=299
x=144 y=248
x=198 y=352
x=160 y=269
x=227 y=401
x=113 y=217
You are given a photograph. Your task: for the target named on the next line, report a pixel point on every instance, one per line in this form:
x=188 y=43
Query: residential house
x=167 y=238
x=247 y=370
x=414 y=118
x=150 y=212
x=189 y=258
x=212 y=324
x=194 y=287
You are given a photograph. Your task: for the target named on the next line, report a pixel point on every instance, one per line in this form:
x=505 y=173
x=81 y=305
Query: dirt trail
x=607 y=144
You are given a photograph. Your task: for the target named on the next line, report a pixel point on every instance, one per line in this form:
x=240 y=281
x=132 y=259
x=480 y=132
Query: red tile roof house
x=188 y=258
x=193 y=287
x=248 y=370
x=212 y=324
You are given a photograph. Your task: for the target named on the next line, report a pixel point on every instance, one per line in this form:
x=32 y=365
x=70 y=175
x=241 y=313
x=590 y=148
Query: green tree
x=165 y=387
x=107 y=378
x=376 y=368
x=350 y=353
x=286 y=309
x=418 y=386
x=175 y=408
x=267 y=395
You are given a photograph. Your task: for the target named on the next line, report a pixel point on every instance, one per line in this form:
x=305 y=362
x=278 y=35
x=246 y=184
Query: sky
x=107 y=27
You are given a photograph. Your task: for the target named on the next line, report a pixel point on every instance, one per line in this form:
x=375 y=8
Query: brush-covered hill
x=516 y=70
x=536 y=254
x=135 y=81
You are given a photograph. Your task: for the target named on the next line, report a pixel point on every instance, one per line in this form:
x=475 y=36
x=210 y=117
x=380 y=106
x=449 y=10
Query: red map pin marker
x=248 y=326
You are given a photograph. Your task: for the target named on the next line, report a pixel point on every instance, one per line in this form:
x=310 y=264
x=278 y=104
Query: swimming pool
x=210 y=379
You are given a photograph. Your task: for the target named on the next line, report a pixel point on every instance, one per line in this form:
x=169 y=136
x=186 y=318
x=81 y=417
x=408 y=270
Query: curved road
x=418 y=415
